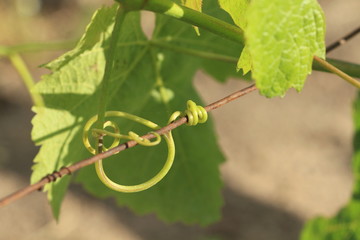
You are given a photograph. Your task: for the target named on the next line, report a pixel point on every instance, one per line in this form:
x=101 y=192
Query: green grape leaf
x=191 y=191
x=346 y=223
x=283 y=36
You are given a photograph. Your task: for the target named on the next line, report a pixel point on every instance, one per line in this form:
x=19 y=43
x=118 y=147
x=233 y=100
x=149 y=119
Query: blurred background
x=288 y=160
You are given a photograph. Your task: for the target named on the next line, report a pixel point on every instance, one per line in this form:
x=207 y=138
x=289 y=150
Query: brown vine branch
x=70 y=169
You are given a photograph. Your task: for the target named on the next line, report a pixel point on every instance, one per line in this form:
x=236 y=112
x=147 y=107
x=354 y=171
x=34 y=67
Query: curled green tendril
x=195 y=114
x=87 y=127
x=143 y=141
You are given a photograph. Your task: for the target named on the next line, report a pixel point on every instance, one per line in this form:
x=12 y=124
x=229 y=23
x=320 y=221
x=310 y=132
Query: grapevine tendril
x=194 y=113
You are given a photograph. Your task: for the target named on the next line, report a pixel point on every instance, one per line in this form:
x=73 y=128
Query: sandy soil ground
x=288 y=160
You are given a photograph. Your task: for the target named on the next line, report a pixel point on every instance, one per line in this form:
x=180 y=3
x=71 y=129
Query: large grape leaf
x=191 y=191
x=346 y=224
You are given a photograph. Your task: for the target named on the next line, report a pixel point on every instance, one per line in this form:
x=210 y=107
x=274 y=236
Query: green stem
x=120 y=16
x=188 y=15
x=337 y=71
x=35 y=47
x=29 y=82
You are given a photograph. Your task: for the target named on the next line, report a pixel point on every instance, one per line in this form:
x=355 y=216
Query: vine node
x=52 y=177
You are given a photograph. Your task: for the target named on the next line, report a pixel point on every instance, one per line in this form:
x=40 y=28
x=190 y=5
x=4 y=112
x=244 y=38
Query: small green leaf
x=244 y=62
x=237 y=10
x=193 y=4
x=283 y=36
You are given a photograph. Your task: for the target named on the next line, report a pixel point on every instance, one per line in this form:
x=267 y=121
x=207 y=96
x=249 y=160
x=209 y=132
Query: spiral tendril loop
x=194 y=113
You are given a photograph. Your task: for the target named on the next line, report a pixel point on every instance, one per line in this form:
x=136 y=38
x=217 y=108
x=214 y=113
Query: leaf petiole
x=119 y=19
x=337 y=71
x=28 y=80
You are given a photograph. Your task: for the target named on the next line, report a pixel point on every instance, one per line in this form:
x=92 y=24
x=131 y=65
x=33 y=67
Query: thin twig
x=343 y=40
x=70 y=169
